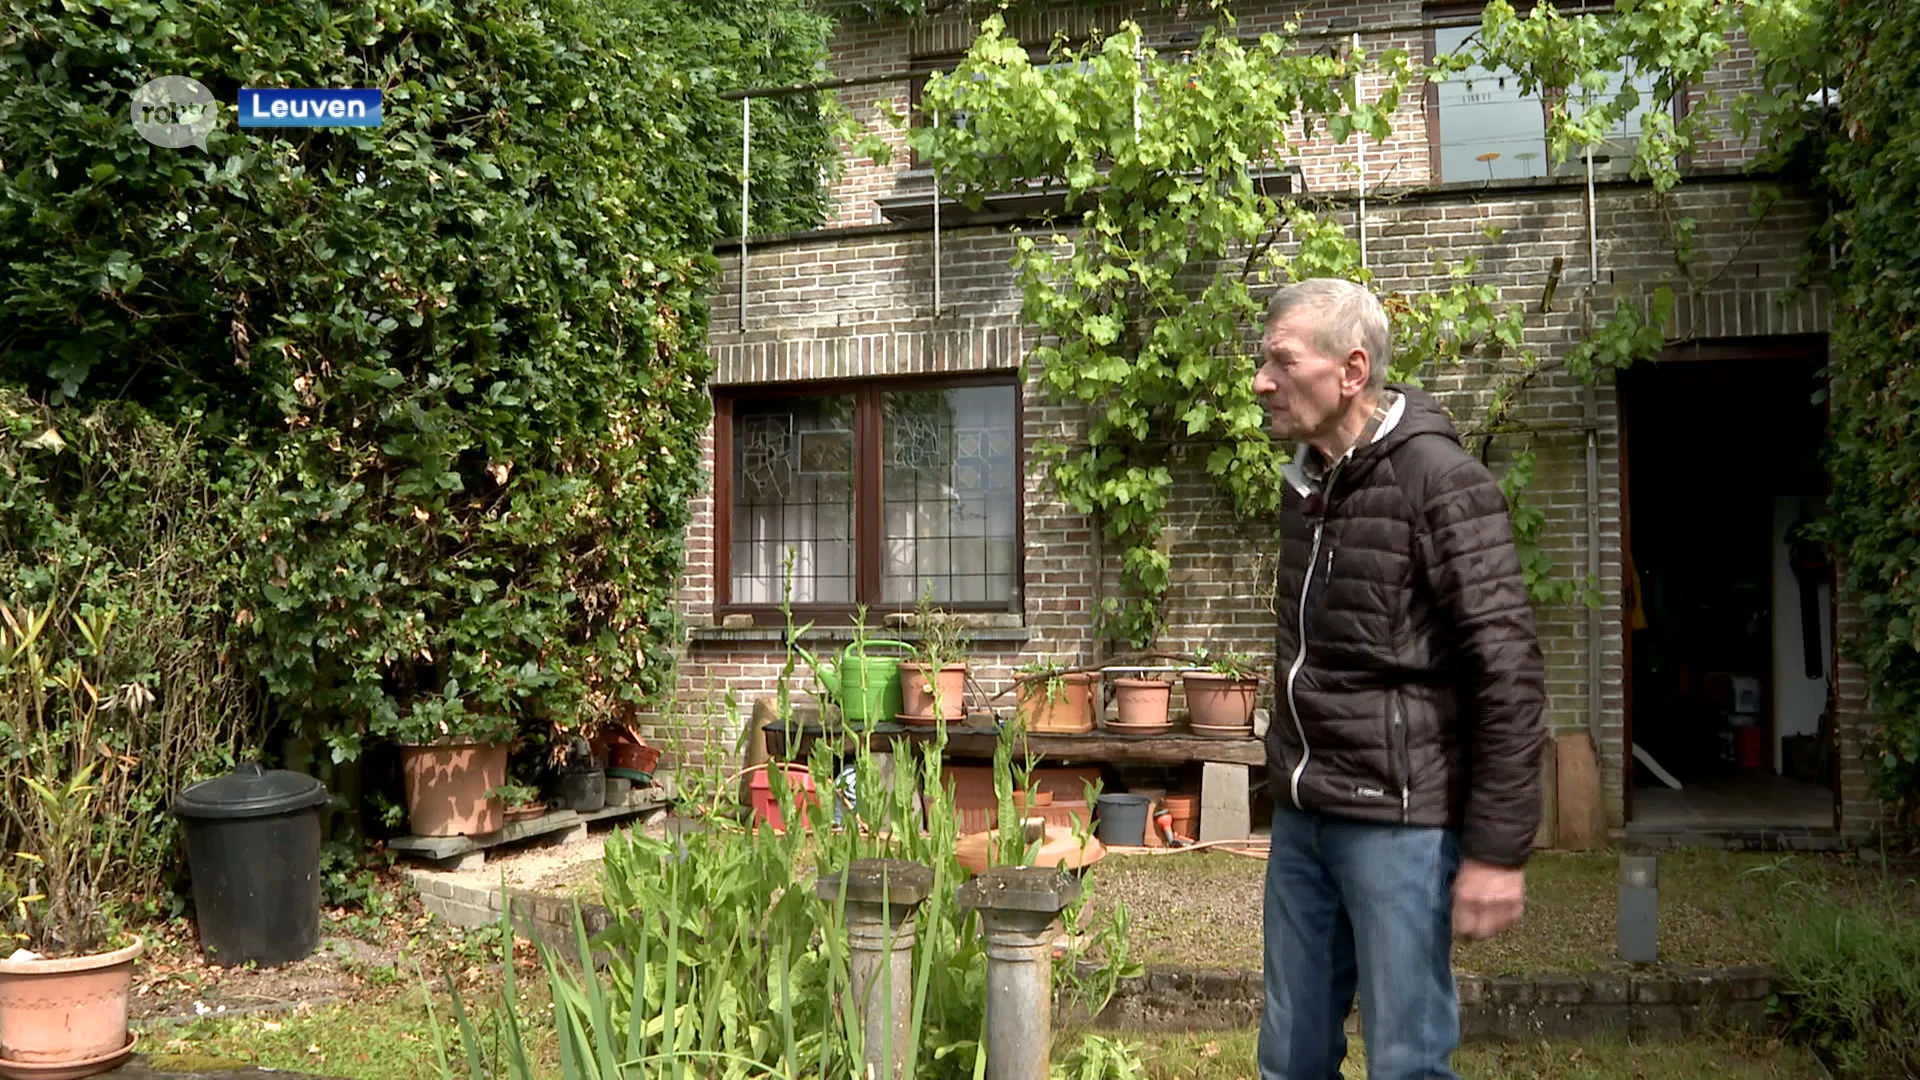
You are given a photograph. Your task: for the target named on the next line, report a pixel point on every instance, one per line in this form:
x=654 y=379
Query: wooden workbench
x=978 y=742
x=1225 y=781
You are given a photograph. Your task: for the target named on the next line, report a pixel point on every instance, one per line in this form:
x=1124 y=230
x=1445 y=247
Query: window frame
x=1442 y=10
x=869 y=494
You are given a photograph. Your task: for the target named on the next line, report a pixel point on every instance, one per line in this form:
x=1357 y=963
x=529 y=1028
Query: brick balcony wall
x=888 y=48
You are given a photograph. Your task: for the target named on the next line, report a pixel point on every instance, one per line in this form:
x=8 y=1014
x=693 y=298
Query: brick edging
x=1648 y=1003
x=542 y=917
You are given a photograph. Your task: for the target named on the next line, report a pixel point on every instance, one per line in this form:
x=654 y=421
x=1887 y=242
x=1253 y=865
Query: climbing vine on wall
x=1146 y=307
x=1871 y=167
x=1172 y=164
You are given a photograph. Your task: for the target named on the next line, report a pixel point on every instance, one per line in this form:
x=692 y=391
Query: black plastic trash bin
x=253 y=850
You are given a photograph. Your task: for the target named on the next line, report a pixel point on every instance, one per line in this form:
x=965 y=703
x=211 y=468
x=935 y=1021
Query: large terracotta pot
x=65 y=1017
x=917 y=697
x=1068 y=709
x=1140 y=706
x=1217 y=703
x=447 y=785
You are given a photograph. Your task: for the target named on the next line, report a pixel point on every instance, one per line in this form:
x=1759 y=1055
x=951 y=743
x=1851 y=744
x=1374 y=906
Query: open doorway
x=1730 y=611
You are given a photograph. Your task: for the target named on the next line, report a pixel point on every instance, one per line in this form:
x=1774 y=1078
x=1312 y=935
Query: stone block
x=1169 y=981
x=1559 y=989
x=1471 y=990
x=470 y=860
x=1031 y=889
x=1650 y=1021
x=1749 y=983
x=1510 y=990
x=1601 y=1021
x=477 y=896
x=1698 y=986
x=1226 y=812
x=427 y=884
x=1741 y=1016
x=576 y=833
x=458 y=914
x=1651 y=988
x=1216 y=985
x=1609 y=988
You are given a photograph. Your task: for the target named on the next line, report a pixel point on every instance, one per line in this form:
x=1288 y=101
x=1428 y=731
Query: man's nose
x=1262 y=384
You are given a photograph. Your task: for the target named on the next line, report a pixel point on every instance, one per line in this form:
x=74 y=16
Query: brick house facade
x=856 y=300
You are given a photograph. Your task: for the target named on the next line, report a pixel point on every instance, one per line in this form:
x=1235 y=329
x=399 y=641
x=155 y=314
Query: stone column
x=1019 y=907
x=882 y=896
x=1639 y=918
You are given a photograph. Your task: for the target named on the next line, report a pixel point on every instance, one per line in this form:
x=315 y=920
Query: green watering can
x=866 y=686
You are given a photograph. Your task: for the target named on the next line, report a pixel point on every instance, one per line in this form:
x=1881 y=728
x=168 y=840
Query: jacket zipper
x=1404 y=763
x=1300 y=658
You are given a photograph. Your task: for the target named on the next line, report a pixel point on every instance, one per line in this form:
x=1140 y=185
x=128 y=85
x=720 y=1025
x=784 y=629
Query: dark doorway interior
x=1731 y=634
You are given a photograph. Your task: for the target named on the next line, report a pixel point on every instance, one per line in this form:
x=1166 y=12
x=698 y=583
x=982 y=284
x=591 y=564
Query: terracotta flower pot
x=66 y=1014
x=524 y=813
x=1067 y=710
x=917 y=693
x=447 y=785
x=1218 y=702
x=1140 y=705
x=1022 y=800
x=625 y=755
x=1186 y=814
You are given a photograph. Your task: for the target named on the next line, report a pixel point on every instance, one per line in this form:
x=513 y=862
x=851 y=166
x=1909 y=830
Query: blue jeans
x=1352 y=905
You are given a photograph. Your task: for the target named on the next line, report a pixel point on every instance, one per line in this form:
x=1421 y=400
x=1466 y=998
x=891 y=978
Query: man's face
x=1304 y=390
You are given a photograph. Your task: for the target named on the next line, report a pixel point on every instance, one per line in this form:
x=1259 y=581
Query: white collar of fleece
x=1306 y=479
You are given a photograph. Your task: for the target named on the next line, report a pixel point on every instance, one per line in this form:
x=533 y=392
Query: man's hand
x=1487 y=899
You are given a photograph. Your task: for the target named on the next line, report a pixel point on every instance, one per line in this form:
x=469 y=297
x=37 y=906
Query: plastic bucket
x=1122 y=820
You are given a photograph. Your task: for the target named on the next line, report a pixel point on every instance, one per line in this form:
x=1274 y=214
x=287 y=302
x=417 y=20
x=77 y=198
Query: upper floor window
x=880 y=491
x=1485 y=128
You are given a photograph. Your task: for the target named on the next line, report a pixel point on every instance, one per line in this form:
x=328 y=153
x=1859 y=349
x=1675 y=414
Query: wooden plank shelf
x=556 y=826
x=1173 y=748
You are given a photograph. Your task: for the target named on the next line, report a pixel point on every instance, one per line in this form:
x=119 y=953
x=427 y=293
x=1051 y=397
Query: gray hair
x=1347 y=317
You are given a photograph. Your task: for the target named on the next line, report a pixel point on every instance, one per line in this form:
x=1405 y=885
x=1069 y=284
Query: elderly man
x=1404 y=752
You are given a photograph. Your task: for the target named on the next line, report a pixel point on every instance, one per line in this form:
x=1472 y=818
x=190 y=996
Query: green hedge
x=1872 y=166
x=456 y=362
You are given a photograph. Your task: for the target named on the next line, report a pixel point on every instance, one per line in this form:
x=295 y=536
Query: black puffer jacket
x=1409 y=681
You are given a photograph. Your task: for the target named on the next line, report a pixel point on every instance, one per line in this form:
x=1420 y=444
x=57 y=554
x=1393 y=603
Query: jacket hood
x=1414 y=412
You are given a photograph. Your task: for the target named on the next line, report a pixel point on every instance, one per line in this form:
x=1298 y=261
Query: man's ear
x=1355 y=373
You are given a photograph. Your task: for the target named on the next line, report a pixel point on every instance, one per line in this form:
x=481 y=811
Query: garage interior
x=1729 y=606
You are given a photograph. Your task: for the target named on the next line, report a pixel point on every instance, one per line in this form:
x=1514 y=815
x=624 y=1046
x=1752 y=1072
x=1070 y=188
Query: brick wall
x=1715 y=98
x=844 y=305
x=861 y=301
x=1860 y=812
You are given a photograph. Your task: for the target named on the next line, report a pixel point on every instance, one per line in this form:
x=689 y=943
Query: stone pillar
x=882 y=896
x=1019 y=907
x=1639 y=918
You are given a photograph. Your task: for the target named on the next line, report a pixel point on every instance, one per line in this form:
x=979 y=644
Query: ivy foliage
x=1872 y=168
x=1169 y=162
x=458 y=358
x=1595 y=68
x=1144 y=295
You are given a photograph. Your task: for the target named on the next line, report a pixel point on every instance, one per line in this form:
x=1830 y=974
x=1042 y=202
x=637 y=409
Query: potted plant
x=1052 y=699
x=519 y=802
x=1220 y=695
x=66 y=972
x=933 y=686
x=1141 y=706
x=451 y=760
